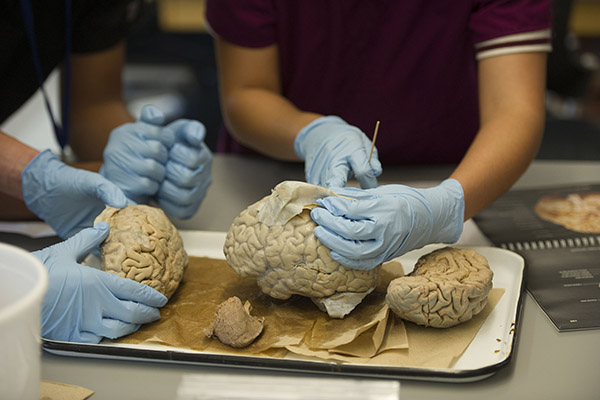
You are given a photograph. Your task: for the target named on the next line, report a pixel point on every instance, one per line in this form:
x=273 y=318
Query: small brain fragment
x=447 y=287
x=273 y=240
x=145 y=246
x=233 y=325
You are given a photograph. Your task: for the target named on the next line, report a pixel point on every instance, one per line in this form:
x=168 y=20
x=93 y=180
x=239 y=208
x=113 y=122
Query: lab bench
x=545 y=364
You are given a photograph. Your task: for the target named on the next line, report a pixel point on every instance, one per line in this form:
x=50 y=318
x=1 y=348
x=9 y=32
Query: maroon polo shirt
x=410 y=64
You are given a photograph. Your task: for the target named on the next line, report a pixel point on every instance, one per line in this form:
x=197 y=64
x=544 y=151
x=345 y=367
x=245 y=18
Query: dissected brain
x=145 y=246
x=233 y=325
x=447 y=286
x=273 y=240
x=576 y=212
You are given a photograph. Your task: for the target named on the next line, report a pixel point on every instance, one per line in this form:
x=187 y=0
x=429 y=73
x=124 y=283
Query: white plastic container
x=23 y=283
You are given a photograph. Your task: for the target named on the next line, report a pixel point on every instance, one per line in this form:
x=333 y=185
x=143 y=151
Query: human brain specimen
x=273 y=240
x=576 y=212
x=145 y=246
x=447 y=286
x=233 y=325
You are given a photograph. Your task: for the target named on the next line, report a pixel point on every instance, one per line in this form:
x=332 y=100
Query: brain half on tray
x=273 y=240
x=447 y=286
x=145 y=246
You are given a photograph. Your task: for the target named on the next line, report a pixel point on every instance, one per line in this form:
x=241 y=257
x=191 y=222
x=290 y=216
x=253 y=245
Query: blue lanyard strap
x=61 y=132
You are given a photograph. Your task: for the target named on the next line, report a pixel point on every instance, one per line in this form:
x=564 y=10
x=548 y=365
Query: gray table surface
x=546 y=364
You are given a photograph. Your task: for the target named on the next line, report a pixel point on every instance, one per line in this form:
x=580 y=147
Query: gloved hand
x=136 y=154
x=187 y=171
x=84 y=304
x=386 y=222
x=67 y=198
x=333 y=150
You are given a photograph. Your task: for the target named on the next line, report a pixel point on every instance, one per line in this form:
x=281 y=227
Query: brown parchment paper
x=370 y=329
x=370 y=334
x=61 y=391
x=208 y=282
x=427 y=347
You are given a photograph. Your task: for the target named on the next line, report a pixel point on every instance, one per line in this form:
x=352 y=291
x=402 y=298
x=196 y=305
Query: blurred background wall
x=573 y=89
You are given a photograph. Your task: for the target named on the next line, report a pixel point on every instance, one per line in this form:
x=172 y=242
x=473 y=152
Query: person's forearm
x=97 y=105
x=511 y=99
x=265 y=121
x=91 y=126
x=254 y=110
x=14 y=157
x=499 y=155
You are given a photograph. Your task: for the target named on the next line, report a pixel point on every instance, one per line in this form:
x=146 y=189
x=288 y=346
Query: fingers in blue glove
x=189 y=131
x=333 y=150
x=136 y=153
x=147 y=168
x=182 y=176
x=85 y=304
x=179 y=211
x=388 y=221
x=152 y=115
x=99 y=328
x=138 y=188
x=191 y=157
x=96 y=186
x=86 y=337
x=150 y=147
x=188 y=176
x=336 y=176
x=333 y=241
x=353 y=193
x=352 y=237
x=140 y=139
x=106 y=191
x=132 y=303
x=351 y=226
x=112 y=328
x=87 y=240
x=133 y=312
x=79 y=246
x=132 y=292
x=112 y=306
x=348 y=227
x=182 y=202
x=366 y=173
x=67 y=198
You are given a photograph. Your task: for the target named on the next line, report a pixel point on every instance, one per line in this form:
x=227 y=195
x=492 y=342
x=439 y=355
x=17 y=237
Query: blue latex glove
x=383 y=223
x=68 y=199
x=136 y=154
x=187 y=171
x=333 y=150
x=84 y=304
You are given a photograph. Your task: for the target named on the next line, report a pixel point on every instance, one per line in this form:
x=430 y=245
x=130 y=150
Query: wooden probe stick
x=374 y=138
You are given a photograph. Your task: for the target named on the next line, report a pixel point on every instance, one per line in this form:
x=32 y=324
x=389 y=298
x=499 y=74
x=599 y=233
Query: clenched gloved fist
x=170 y=164
x=187 y=171
x=136 y=154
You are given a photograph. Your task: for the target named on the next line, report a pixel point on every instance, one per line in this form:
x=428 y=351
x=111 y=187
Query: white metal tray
x=490 y=350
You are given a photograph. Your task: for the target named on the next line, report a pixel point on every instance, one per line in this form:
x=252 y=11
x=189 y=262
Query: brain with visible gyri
x=447 y=287
x=273 y=240
x=145 y=246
